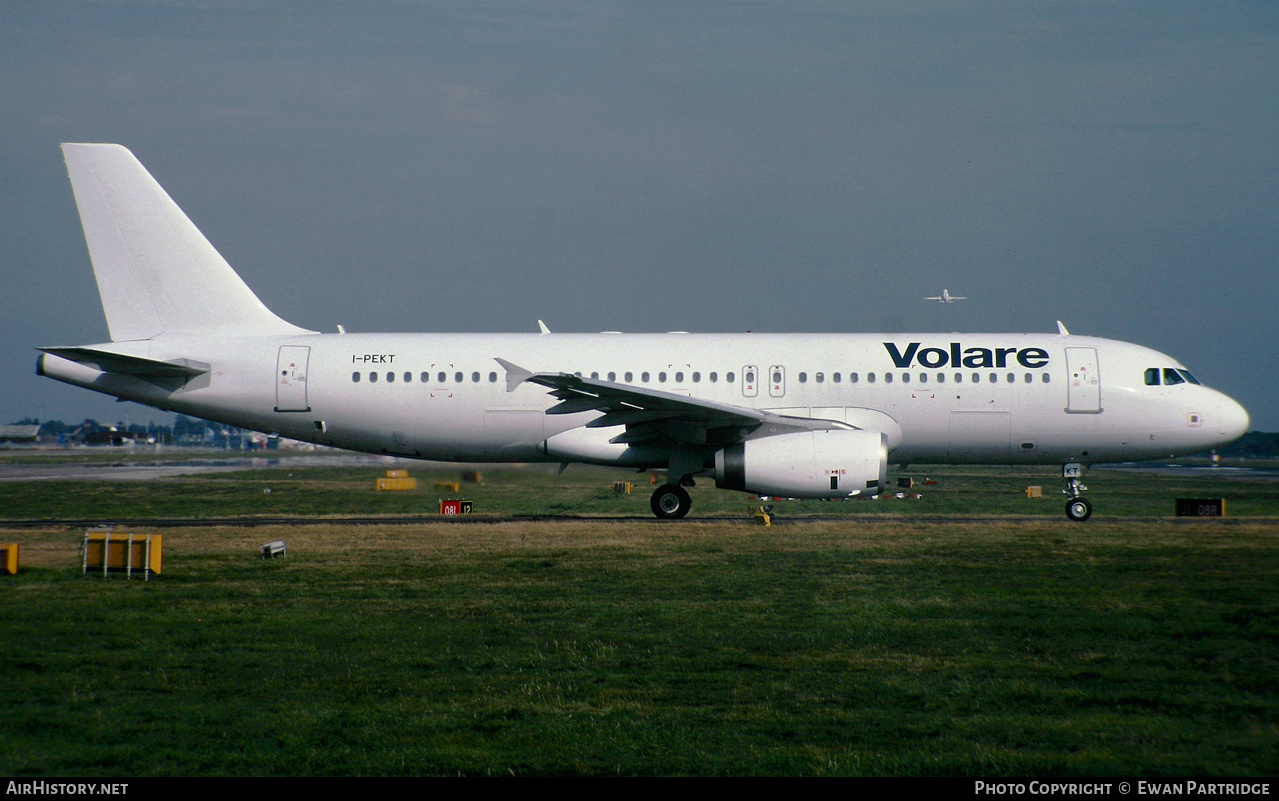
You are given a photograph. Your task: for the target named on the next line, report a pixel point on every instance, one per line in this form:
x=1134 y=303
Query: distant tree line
x=187 y=430
x=184 y=430
x=1253 y=445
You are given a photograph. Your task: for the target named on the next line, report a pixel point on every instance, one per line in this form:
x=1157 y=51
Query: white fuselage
x=794 y=415
x=1013 y=398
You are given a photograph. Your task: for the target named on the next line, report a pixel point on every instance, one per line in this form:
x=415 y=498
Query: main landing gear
x=1078 y=508
x=670 y=502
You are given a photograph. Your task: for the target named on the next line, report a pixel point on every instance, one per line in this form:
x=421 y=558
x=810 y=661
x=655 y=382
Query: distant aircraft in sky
x=945 y=297
x=790 y=415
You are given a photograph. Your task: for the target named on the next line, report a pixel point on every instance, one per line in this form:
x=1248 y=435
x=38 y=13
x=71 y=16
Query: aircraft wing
x=654 y=416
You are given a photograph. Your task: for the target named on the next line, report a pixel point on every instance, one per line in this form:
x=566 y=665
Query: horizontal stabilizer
x=130 y=365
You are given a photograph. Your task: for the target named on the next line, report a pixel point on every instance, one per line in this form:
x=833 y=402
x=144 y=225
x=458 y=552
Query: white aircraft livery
x=791 y=415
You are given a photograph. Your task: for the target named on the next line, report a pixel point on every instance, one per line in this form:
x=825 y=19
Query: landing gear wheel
x=1078 y=509
x=670 y=501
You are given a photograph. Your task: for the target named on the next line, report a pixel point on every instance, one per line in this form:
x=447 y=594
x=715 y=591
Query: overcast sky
x=700 y=166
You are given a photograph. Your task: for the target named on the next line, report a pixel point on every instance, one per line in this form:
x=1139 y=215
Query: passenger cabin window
x=390 y=378
x=442 y=377
x=355 y=378
x=730 y=377
x=629 y=377
x=425 y=378
x=372 y=378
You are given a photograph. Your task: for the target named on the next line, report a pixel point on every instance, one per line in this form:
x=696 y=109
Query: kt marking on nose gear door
x=290 y=379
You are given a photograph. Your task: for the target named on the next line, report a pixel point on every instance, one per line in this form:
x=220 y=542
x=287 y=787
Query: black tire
x=1078 y=509
x=670 y=502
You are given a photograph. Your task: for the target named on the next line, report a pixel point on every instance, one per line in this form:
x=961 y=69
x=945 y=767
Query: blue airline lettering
x=958 y=356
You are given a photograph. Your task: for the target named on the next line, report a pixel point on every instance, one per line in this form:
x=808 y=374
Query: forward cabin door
x=290 y=379
x=1083 y=381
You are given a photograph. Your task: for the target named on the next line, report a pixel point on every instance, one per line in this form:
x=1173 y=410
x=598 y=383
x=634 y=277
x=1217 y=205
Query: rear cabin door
x=290 y=379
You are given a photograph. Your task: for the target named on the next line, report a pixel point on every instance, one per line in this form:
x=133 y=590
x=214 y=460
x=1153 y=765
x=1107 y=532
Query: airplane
x=817 y=416
x=945 y=297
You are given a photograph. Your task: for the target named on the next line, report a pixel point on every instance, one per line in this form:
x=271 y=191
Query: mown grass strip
x=538 y=491
x=637 y=648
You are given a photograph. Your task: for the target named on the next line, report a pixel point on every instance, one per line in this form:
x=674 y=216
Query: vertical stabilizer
x=156 y=272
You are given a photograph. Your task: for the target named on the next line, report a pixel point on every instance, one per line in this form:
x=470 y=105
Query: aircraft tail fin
x=156 y=272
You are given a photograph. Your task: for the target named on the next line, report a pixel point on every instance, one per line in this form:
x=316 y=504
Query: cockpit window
x=1186 y=375
x=1152 y=376
x=1172 y=377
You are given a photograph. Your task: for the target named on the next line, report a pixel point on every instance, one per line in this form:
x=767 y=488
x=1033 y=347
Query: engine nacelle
x=835 y=463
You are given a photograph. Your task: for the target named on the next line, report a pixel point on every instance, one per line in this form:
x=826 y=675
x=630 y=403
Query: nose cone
x=1229 y=420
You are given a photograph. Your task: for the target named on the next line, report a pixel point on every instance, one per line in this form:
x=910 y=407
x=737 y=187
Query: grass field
x=538 y=490
x=867 y=646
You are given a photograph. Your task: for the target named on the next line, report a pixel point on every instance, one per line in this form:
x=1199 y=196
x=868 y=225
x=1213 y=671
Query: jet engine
x=833 y=463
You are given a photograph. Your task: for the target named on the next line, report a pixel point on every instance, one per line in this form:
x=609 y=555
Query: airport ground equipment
x=118 y=552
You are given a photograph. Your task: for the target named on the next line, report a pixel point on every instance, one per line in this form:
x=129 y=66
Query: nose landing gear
x=1078 y=508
